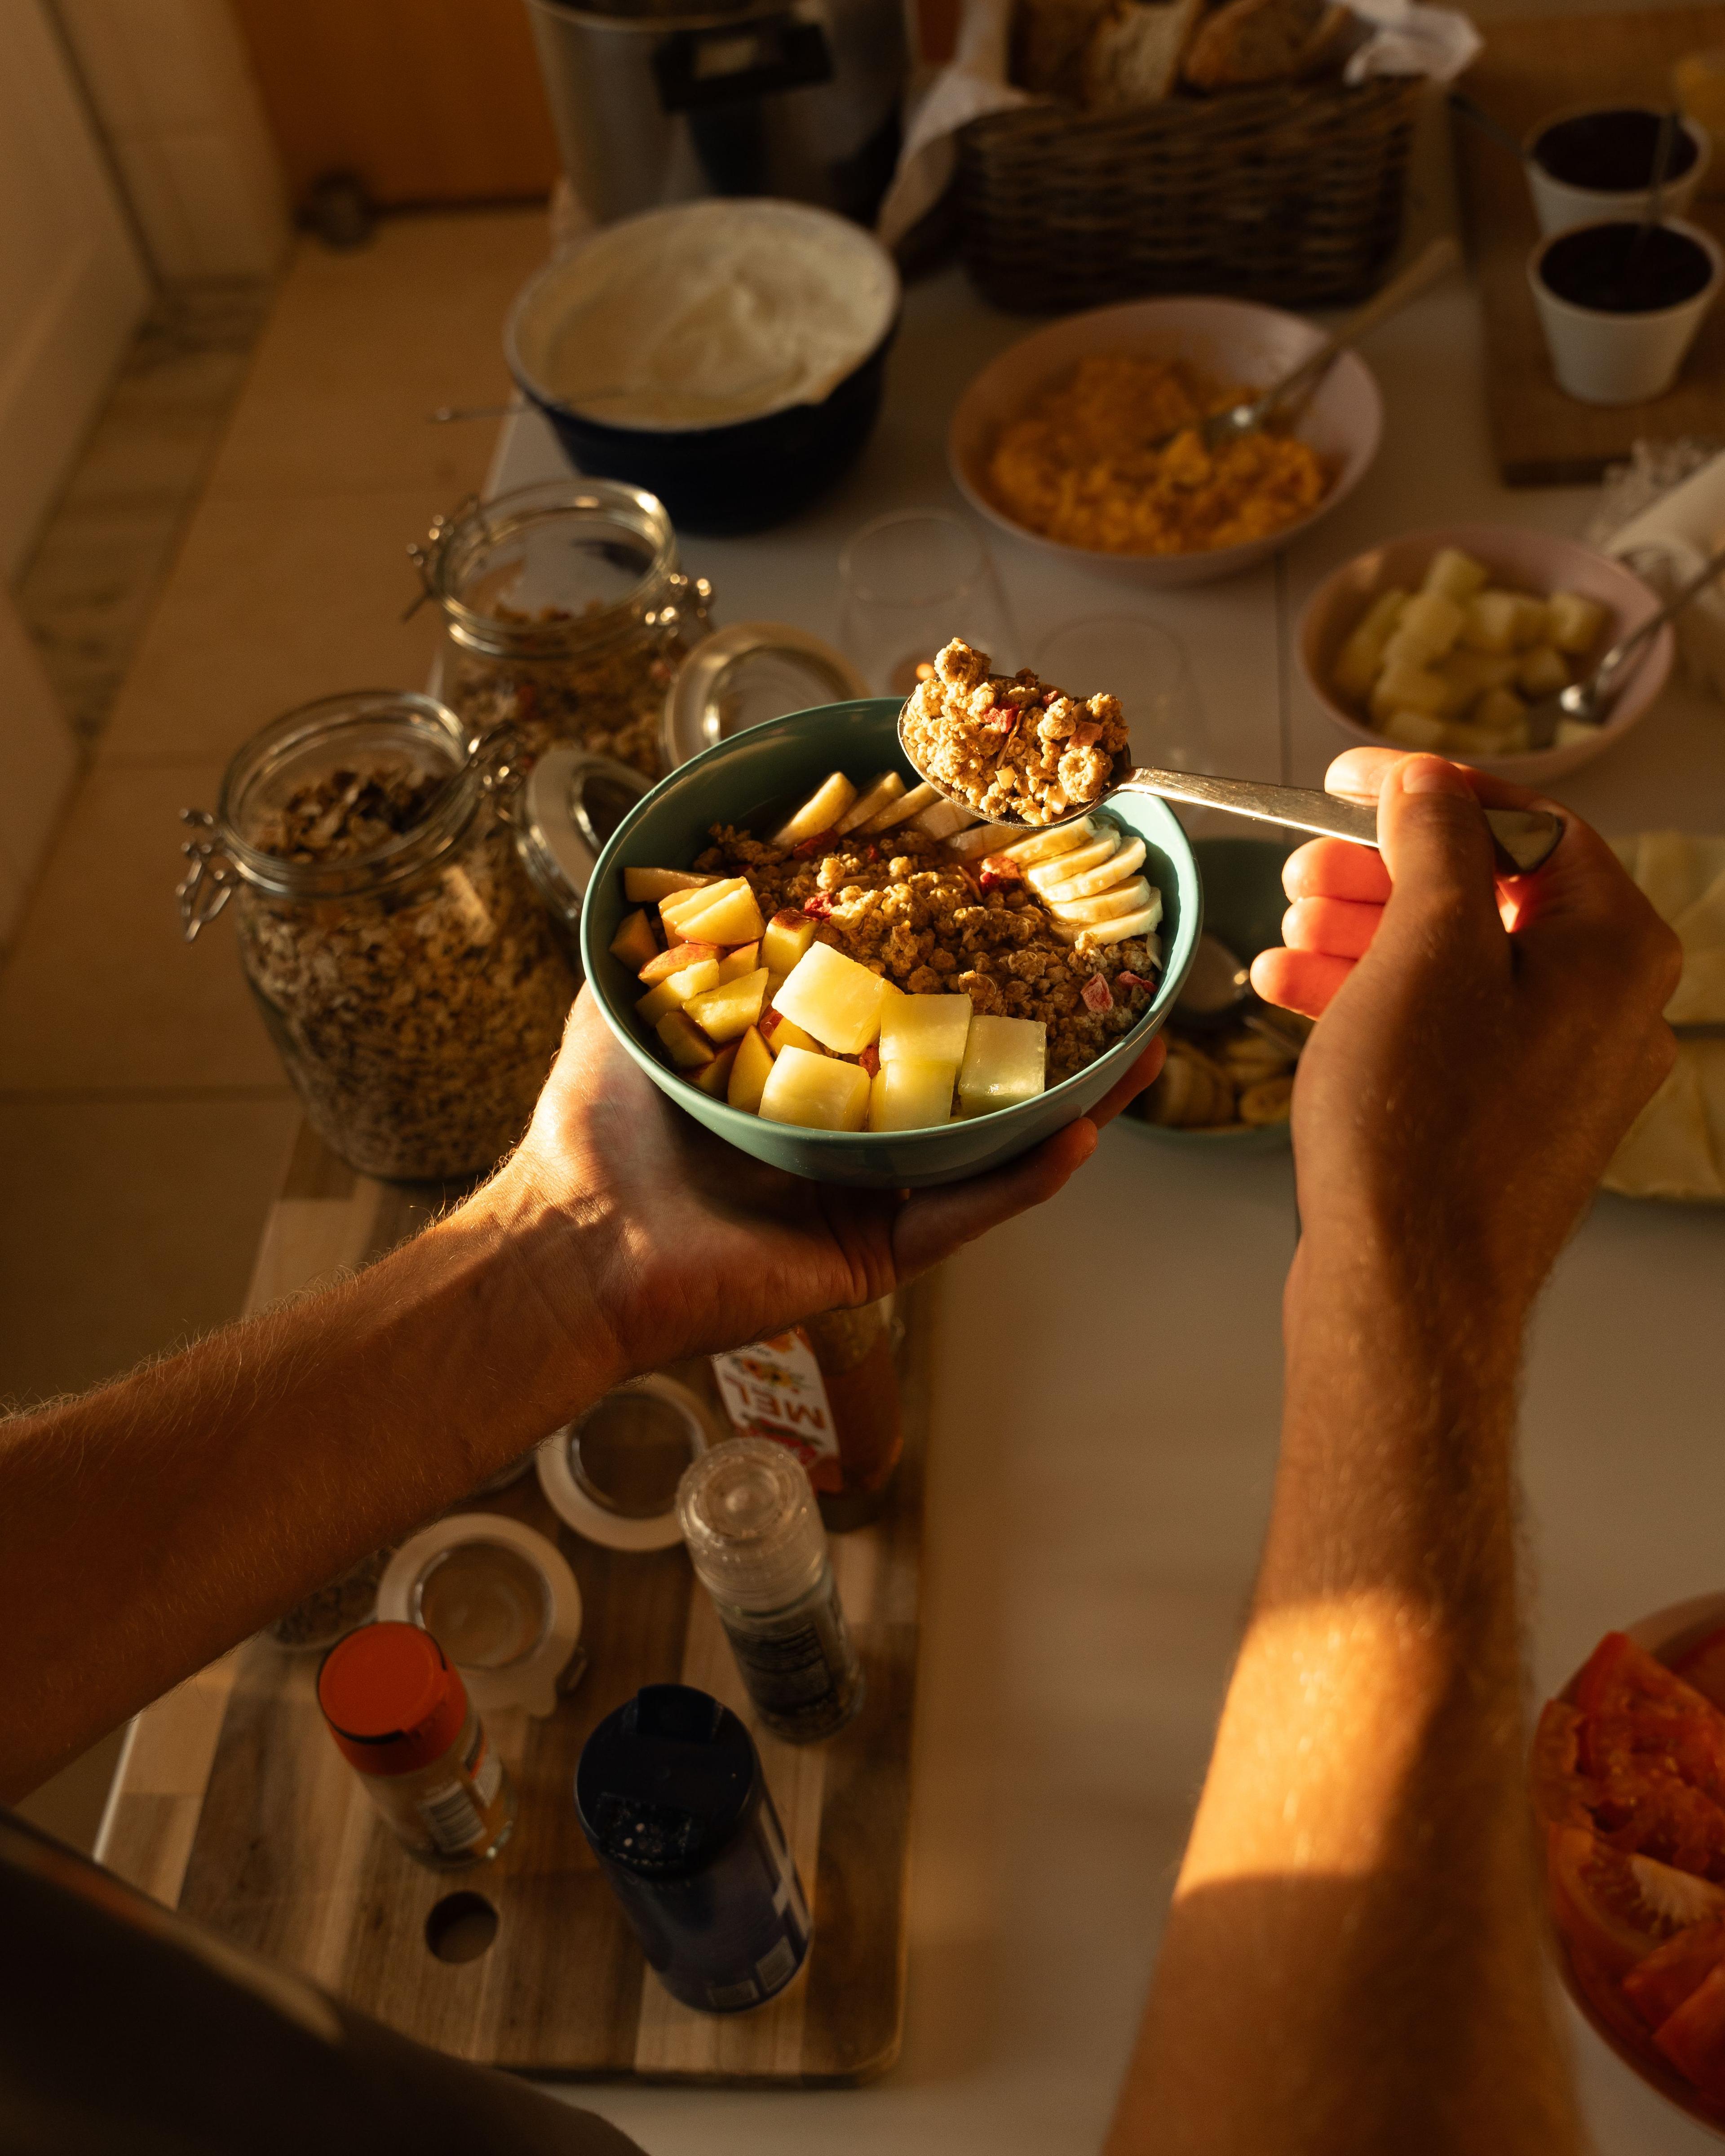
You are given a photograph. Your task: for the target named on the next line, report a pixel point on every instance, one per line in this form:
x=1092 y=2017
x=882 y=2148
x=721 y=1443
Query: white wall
x=172 y=86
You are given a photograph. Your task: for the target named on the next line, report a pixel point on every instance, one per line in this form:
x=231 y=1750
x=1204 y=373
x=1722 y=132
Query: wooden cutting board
x=233 y=1805
x=1530 y=69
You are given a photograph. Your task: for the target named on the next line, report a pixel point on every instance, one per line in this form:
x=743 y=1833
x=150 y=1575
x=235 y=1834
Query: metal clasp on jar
x=422 y=557
x=210 y=881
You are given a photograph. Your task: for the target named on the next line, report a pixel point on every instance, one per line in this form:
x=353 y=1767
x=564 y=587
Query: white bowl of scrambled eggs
x=1052 y=441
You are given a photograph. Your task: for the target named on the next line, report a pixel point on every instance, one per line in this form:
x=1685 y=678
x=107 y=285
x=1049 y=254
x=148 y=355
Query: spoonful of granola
x=1014 y=750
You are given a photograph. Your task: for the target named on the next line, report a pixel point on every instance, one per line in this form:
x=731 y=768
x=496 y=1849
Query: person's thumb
x=1438 y=850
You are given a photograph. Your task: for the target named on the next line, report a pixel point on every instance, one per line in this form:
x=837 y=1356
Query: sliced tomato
x=1644 y=1809
x=1563 y=1795
x=1614 y=1908
x=1622 y=1677
x=1658 y=1986
x=1704 y=1667
x=1693 y=2038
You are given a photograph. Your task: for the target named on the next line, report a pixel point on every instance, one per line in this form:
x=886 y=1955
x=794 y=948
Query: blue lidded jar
x=670 y=1796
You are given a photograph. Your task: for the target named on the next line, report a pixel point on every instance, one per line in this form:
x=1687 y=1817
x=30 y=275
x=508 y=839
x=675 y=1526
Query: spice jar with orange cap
x=399 y=1714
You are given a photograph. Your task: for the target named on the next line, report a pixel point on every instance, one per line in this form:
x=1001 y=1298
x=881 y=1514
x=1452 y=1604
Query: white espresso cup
x=1559 y=205
x=1604 y=357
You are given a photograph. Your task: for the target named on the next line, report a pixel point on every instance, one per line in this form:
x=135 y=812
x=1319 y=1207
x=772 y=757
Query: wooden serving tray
x=233 y=1805
x=1528 y=70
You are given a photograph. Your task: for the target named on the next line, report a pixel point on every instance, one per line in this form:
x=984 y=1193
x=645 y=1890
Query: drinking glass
x=913 y=581
x=1135 y=659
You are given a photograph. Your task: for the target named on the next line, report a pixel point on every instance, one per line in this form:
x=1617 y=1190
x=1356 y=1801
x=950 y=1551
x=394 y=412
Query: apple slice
x=749 y=1073
x=672 y=909
x=687 y=1046
x=878 y=794
x=635 y=942
x=900 y=811
x=643 y=885
x=925 y=1029
x=1049 y=875
x=818 y=1091
x=1043 y=845
x=742 y=960
x=1118 y=868
x=982 y=838
x=833 y=997
x=1103 y=906
x=778 y=1032
x=735 y=918
x=716 y=1078
x=673 y=993
x=786 y=937
x=664 y=964
x=725 y=1012
x=819 y=812
x=944 y=819
x=1005 y=1060
x=913 y=1091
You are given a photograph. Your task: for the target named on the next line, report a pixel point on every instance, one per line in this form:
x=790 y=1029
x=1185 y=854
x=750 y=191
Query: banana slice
x=1122 y=926
x=1269 y=1101
x=1104 y=905
x=1113 y=871
x=1101 y=848
x=1043 y=845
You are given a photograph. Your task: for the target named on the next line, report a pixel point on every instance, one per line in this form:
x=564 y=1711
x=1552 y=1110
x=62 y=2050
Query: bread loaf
x=1048 y=45
x=1133 y=55
x=1251 y=41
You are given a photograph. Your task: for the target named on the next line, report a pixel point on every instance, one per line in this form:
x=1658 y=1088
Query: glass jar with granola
x=566 y=615
x=408 y=974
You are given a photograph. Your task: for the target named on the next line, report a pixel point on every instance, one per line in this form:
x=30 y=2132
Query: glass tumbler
x=1129 y=656
x=913 y=581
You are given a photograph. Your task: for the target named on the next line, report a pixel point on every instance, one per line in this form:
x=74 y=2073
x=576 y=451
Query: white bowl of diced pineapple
x=794 y=1052
x=1445 y=641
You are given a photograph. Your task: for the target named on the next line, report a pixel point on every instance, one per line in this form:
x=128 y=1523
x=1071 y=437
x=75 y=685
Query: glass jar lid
x=743 y=675
x=545 y=569
x=570 y=804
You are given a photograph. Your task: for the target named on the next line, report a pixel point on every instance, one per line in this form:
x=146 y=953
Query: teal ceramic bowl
x=1243 y=903
x=759 y=776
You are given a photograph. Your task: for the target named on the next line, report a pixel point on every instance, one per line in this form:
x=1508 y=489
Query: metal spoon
x=1589 y=702
x=1664 y=148
x=1460 y=102
x=1218 y=983
x=1221 y=428
x=1524 y=839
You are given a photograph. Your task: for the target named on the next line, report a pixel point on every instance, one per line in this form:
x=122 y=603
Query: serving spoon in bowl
x=1524 y=839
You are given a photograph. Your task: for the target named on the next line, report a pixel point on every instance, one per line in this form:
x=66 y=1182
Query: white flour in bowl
x=706 y=314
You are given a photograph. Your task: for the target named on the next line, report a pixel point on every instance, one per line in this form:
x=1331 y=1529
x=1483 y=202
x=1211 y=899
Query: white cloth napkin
x=1413 y=39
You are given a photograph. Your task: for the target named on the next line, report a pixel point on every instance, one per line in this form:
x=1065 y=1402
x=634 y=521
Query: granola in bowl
x=1012 y=746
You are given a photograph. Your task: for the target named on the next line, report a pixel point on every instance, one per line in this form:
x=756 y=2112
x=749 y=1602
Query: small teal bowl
x=763 y=774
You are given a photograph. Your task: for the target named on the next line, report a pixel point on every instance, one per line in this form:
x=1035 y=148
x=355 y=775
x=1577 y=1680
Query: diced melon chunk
x=818 y=1091
x=1357 y=661
x=1533 y=620
x=879 y=795
x=1102 y=905
x=1429 y=626
x=1500 y=710
x=672 y=994
x=643 y=885
x=1469 y=674
x=635 y=942
x=1575 y=622
x=1492 y=620
x=749 y=1073
x=735 y=918
x=777 y=1032
x=742 y=960
x=1050 y=875
x=1403 y=688
x=1572 y=732
x=1005 y=1060
x=716 y=1078
x=931 y=1029
x=672 y=909
x=687 y=1046
x=787 y=935
x=1058 y=838
x=664 y=964
x=913 y=1092
x=1457 y=576
x=1120 y=867
x=1414 y=729
x=819 y=812
x=833 y=997
x=728 y=1010
x=911 y=803
x=1543 y=672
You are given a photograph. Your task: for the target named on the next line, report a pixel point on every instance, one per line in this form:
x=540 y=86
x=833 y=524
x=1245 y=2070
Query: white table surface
x=1108 y=1395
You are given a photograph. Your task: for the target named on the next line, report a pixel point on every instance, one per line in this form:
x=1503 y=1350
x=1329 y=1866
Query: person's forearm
x=1353 y=1961
x=147 y=1525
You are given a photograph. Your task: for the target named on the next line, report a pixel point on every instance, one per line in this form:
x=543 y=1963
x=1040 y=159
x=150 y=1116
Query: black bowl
x=742 y=476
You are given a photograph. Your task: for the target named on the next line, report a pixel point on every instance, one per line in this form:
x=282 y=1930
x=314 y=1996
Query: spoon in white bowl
x=1589 y=701
x=1525 y=839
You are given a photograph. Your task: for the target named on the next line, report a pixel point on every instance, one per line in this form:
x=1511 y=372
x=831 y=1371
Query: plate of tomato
x=1628 y=1782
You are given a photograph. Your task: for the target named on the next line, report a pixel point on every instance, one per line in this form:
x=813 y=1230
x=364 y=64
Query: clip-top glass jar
x=408 y=975
x=566 y=616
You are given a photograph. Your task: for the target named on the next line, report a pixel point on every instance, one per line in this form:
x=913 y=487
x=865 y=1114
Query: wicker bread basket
x=1287 y=195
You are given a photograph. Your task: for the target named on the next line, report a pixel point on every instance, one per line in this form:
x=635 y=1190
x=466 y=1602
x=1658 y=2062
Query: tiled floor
x=144 y=1120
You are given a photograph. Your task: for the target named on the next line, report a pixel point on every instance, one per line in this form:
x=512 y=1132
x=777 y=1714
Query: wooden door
x=428 y=101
